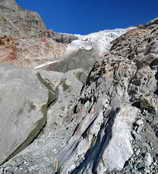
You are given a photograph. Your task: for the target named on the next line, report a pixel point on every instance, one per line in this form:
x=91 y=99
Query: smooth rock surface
x=120 y=149
x=22 y=114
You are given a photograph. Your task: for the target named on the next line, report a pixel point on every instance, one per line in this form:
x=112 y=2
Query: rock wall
x=75 y=104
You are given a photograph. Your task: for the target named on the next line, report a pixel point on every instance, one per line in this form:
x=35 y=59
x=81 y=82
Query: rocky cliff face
x=17 y=21
x=25 y=40
x=77 y=104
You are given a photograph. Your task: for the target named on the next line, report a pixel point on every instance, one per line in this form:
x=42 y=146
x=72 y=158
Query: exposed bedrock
x=87 y=106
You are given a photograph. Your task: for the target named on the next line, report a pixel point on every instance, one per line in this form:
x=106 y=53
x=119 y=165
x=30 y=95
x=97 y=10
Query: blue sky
x=86 y=16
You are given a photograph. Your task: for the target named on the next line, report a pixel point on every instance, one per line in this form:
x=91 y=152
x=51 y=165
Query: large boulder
x=23 y=102
x=42 y=152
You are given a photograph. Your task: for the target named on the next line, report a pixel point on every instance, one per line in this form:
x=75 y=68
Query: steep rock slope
x=112 y=126
x=29 y=52
x=66 y=85
x=117 y=109
x=24 y=48
x=25 y=40
x=103 y=121
x=18 y=22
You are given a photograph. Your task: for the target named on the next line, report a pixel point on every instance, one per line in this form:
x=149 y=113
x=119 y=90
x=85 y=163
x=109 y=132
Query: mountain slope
x=75 y=104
